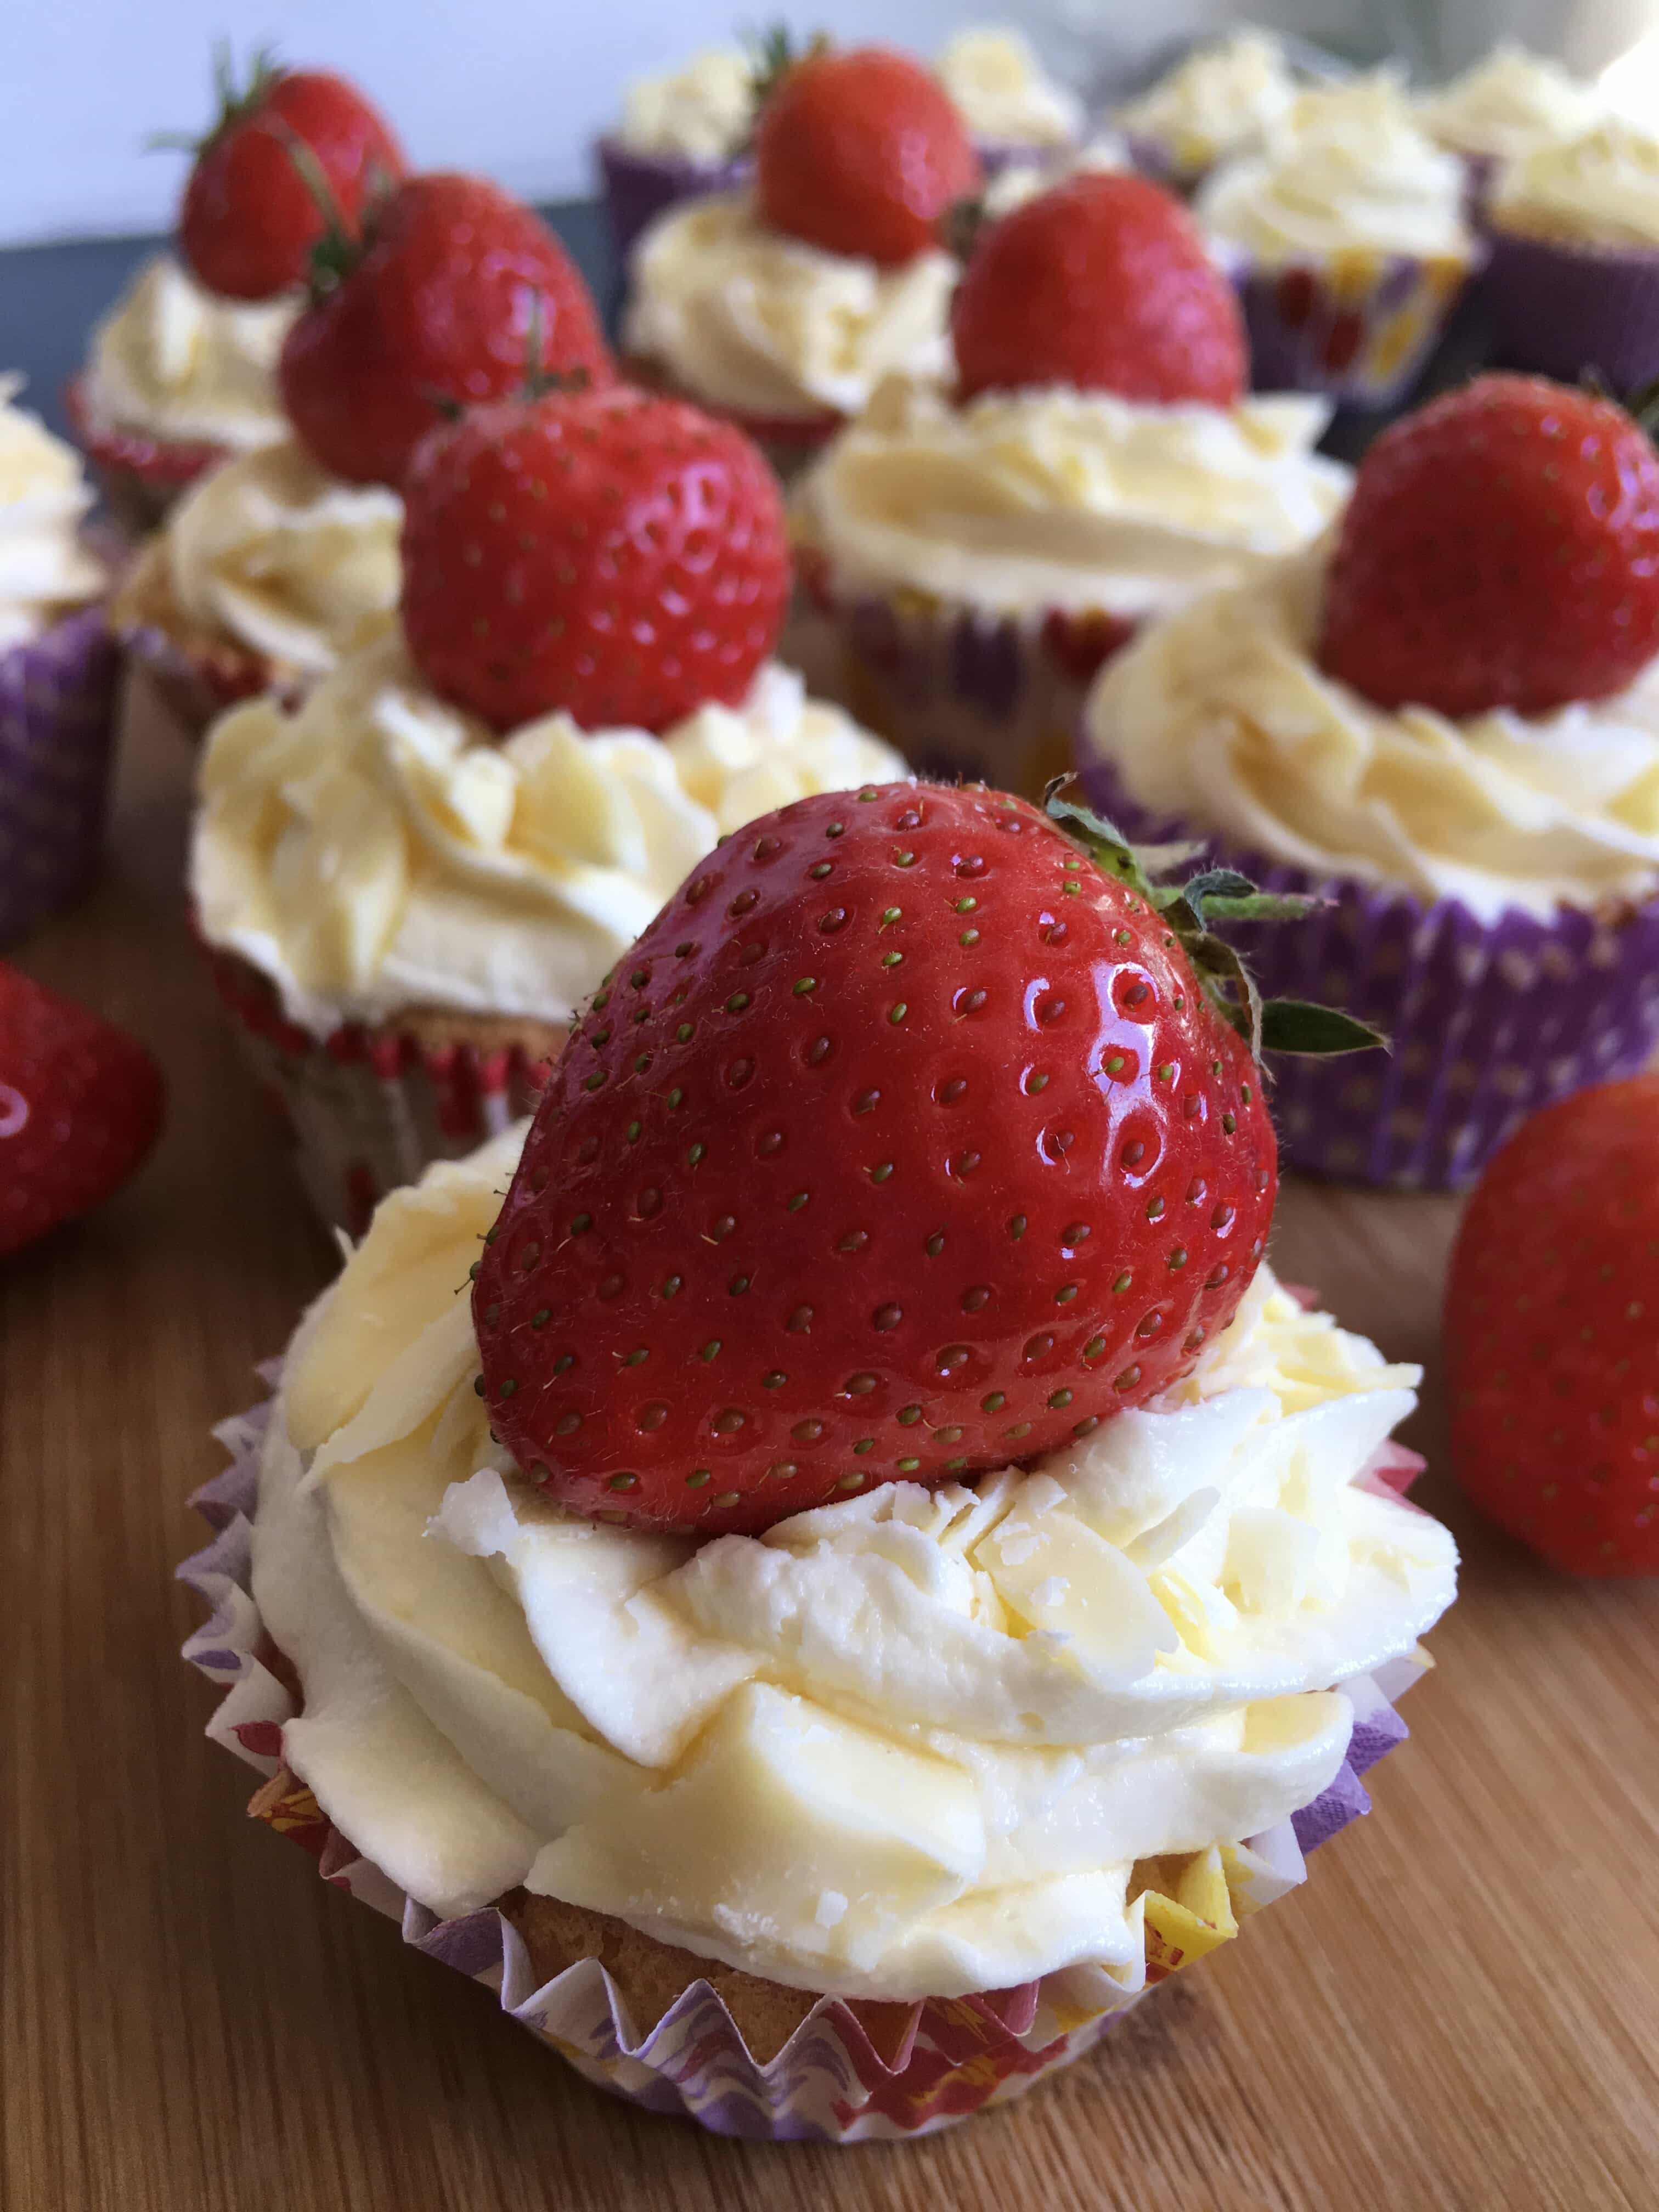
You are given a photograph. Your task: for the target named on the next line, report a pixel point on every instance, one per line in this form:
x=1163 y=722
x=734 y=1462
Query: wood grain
x=1461 y=2011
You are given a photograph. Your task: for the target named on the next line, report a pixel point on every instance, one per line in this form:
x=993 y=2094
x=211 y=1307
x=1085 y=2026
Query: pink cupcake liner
x=1489 y=1021
x=638 y=187
x=1360 y=327
x=829 y=2084
x=1559 y=309
x=58 y=695
x=195 y=687
x=367 y=1110
x=141 y=477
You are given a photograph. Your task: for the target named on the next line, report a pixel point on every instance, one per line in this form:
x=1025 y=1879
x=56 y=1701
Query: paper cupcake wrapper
x=1489 y=1021
x=637 y=187
x=140 y=476
x=1358 y=327
x=195 y=687
x=58 y=696
x=1155 y=160
x=829 y=2084
x=1559 y=309
x=369 y=1109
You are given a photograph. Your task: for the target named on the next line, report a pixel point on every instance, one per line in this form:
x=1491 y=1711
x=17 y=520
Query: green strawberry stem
x=339 y=249
x=235 y=102
x=772 y=54
x=1292 y=1026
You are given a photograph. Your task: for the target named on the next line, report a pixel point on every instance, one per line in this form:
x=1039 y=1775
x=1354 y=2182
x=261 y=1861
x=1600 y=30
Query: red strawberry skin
x=80 y=1107
x=862 y=153
x=1103 y=285
x=1553 y=1334
x=902 y=1146
x=1501 y=549
x=442 y=305
x=248 y=222
x=620 y=556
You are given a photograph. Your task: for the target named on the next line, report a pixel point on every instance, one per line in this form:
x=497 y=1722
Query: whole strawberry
x=1553 y=1334
x=249 y=218
x=1102 y=283
x=1501 y=548
x=622 y=556
x=80 y=1107
x=906 y=1142
x=862 y=153
x=454 y=288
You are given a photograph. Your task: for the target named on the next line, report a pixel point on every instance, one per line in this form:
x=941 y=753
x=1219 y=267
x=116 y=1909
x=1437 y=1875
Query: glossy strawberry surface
x=904 y=1144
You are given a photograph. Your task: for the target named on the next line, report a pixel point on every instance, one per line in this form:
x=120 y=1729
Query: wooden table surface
x=1460 y=2011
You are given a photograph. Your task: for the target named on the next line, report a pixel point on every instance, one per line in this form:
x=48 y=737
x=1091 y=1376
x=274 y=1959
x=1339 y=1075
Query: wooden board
x=1460 y=2012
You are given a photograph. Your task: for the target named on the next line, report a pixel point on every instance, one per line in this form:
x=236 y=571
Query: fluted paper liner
x=829 y=2082
x=638 y=187
x=141 y=478
x=1558 y=309
x=1358 y=325
x=58 y=697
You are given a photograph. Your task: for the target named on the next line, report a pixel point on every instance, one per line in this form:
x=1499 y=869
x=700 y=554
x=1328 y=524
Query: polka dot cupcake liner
x=847 y=2071
x=58 y=702
x=1489 y=1021
x=1559 y=309
x=1358 y=326
x=638 y=187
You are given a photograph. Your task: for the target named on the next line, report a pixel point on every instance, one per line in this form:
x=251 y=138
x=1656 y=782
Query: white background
x=518 y=88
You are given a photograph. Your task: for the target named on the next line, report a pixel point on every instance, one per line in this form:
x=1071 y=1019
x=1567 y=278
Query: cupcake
x=1504 y=108
x=983 y=550
x=1222 y=102
x=411 y=879
x=681 y=136
x=1574 y=279
x=267 y=573
x=842 y=1796
x=59 y=667
x=782 y=309
x=1447 y=727
x=182 y=371
x=1013 y=110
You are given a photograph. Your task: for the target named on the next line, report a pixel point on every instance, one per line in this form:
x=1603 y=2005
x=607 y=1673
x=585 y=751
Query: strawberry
x=452 y=288
x=1501 y=549
x=1102 y=283
x=862 y=153
x=1552 y=1333
x=907 y=1142
x=249 y=219
x=80 y=1107
x=620 y=556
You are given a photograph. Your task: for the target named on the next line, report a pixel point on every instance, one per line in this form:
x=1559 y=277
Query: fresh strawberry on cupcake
x=413 y=879
x=984 y=547
x=1445 y=718
x=781 y=308
x=276 y=564
x=876 y=1575
x=182 y=371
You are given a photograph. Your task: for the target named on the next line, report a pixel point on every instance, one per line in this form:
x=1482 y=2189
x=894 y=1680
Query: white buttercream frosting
x=1222 y=100
x=378 y=849
x=1600 y=188
x=1508 y=104
x=45 y=571
x=1347 y=168
x=743 y=317
x=1022 y=180
x=271 y=551
x=174 y=361
x=1221 y=716
x=1002 y=92
x=1057 y=498
x=702 y=112
x=908 y=1745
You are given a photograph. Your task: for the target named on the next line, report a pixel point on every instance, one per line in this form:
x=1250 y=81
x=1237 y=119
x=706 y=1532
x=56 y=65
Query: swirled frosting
x=45 y=571
x=1221 y=716
x=378 y=849
x=1222 y=100
x=1599 y=189
x=1002 y=92
x=702 y=112
x=270 y=550
x=910 y=1745
x=743 y=318
x=1057 y=498
x=1507 y=105
x=1347 y=168
x=174 y=361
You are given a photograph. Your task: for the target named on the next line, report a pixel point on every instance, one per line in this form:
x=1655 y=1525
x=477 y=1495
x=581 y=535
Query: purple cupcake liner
x=1559 y=309
x=1359 y=328
x=1158 y=164
x=1489 y=1021
x=637 y=187
x=58 y=695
